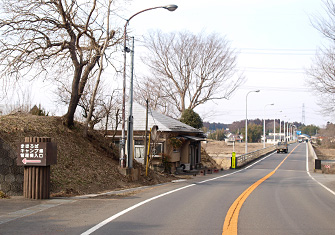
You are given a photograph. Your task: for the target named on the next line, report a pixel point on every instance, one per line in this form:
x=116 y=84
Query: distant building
x=274 y=139
x=232 y=138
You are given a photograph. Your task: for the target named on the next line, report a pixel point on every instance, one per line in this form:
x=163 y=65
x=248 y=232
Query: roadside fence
x=321 y=165
x=248 y=157
x=241 y=160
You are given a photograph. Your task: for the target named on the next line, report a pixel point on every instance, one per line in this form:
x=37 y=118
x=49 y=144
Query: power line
x=264 y=51
x=271 y=70
x=268 y=68
x=279 y=53
x=277 y=49
x=289 y=89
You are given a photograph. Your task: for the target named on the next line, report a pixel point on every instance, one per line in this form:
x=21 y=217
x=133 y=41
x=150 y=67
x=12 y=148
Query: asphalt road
x=287 y=201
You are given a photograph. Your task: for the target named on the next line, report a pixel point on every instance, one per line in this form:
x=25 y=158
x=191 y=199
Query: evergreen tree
x=191 y=118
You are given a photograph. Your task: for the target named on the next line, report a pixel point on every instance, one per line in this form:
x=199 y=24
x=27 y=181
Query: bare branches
x=322 y=72
x=325 y=24
x=37 y=35
x=191 y=69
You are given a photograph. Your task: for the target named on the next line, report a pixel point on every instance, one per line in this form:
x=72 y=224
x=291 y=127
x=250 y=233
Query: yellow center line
x=230 y=223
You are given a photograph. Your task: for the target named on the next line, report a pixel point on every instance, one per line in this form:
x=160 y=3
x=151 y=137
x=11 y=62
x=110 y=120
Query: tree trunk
x=75 y=97
x=79 y=81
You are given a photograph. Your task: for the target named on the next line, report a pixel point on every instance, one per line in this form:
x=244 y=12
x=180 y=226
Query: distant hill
x=214 y=126
x=239 y=125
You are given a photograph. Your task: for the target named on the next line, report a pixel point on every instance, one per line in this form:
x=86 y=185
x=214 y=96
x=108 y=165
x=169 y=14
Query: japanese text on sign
x=31 y=151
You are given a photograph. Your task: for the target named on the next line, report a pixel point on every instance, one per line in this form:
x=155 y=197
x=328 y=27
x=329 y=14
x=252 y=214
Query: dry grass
x=325 y=153
x=221 y=152
x=3 y=195
x=84 y=165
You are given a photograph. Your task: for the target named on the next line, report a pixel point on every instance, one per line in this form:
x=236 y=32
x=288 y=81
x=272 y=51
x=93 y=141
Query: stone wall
x=11 y=175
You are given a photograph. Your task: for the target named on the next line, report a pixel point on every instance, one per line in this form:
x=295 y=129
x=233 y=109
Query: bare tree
x=40 y=37
x=188 y=70
x=322 y=72
x=329 y=133
x=150 y=90
x=100 y=105
x=94 y=94
x=23 y=100
x=112 y=117
x=322 y=79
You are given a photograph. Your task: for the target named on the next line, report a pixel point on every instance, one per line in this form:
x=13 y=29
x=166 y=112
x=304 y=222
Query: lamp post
x=246 y=120
x=294 y=128
x=264 y=125
x=280 y=121
x=284 y=130
x=287 y=131
x=274 y=129
x=280 y=137
x=291 y=131
x=125 y=50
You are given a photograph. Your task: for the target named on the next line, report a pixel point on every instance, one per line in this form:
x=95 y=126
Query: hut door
x=194 y=154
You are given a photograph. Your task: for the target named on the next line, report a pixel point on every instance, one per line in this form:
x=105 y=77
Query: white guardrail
x=249 y=157
x=311 y=152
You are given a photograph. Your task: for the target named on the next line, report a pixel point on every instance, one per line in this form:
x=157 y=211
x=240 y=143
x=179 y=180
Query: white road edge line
x=113 y=217
x=307 y=169
x=106 y=221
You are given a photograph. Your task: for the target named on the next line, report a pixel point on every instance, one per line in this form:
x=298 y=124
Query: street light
x=288 y=131
x=284 y=129
x=246 y=120
x=291 y=131
x=125 y=50
x=294 y=132
x=264 y=125
x=279 y=129
x=274 y=129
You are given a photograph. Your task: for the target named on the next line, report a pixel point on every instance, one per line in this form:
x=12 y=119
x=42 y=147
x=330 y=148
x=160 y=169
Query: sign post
x=233 y=160
x=36 y=154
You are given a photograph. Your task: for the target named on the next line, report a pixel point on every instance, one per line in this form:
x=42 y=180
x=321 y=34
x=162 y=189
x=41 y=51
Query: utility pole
x=146 y=133
x=130 y=117
x=125 y=50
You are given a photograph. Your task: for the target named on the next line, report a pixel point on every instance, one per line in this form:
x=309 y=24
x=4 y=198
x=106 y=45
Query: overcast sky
x=276 y=43
x=275 y=40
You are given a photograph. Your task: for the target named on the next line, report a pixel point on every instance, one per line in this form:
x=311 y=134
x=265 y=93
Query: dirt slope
x=85 y=165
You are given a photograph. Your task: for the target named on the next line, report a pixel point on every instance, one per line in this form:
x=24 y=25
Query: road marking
x=307 y=169
x=32 y=210
x=231 y=220
x=106 y=221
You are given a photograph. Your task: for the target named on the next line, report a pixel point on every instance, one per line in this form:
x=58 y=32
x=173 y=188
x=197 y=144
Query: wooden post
x=36 y=184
